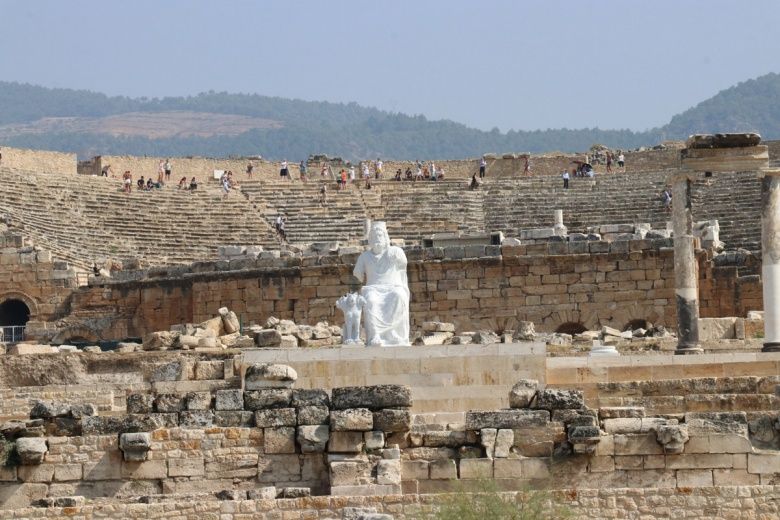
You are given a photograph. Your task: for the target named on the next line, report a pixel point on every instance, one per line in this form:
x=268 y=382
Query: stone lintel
x=770 y=172
x=748 y=158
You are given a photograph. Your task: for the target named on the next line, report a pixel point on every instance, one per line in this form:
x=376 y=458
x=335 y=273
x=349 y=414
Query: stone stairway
x=81 y=218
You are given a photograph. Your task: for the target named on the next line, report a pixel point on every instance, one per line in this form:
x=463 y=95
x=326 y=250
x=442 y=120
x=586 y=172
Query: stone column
x=770 y=257
x=685 y=269
x=558 y=228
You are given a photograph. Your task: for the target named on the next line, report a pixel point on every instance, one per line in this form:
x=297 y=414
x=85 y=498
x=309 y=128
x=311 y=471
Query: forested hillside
x=349 y=130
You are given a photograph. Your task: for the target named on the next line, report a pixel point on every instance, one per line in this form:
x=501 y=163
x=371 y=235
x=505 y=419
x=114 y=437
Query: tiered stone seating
x=608 y=199
x=734 y=199
x=83 y=218
x=341 y=217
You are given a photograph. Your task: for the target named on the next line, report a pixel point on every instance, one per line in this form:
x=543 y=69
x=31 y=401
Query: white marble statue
x=383 y=268
x=352 y=306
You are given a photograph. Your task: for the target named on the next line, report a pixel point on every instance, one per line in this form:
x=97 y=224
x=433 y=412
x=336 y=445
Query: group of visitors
x=227 y=183
x=281 y=221
x=422 y=171
x=192 y=186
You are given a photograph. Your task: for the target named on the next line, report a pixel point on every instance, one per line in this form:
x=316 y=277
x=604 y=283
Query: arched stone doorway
x=14 y=315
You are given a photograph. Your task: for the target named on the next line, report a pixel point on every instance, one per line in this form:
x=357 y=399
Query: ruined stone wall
x=202 y=168
x=30 y=275
x=476 y=287
x=38 y=160
x=696 y=503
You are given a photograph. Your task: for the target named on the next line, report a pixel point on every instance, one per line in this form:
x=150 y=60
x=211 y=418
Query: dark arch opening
x=14 y=312
x=571 y=327
x=638 y=323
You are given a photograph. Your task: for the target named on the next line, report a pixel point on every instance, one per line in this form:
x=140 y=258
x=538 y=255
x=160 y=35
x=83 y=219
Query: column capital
x=741 y=159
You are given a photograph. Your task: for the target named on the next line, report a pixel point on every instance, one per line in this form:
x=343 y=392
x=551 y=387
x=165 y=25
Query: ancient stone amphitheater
x=167 y=355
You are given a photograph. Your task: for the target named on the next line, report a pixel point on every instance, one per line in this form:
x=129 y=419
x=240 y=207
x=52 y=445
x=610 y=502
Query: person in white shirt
x=565 y=177
x=378 y=168
x=482 y=166
x=622 y=160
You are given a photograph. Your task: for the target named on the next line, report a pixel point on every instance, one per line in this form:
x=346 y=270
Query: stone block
x=279 y=440
x=522 y=393
x=169 y=403
x=621 y=412
x=37 y=473
x=729 y=443
x=275 y=417
x=194 y=467
x=209 y=370
x=504 y=440
x=388 y=471
x=480 y=469
x=699 y=461
x=109 y=467
x=414 y=469
x=198 y=401
x=510 y=419
x=267 y=398
x=508 y=468
x=135 y=446
x=313 y=415
x=637 y=444
x=734 y=477
x=310 y=397
x=313 y=439
x=487 y=439
x=391 y=420
x=67 y=472
x=140 y=403
x=372 y=397
x=31 y=450
x=262 y=493
x=763 y=463
x=535 y=468
x=374 y=440
x=345 y=442
x=558 y=399
x=196 y=419
x=692 y=478
x=234 y=419
x=264 y=375
x=350 y=473
x=240 y=465
x=355 y=419
x=600 y=464
x=443 y=470
x=146 y=470
x=229 y=400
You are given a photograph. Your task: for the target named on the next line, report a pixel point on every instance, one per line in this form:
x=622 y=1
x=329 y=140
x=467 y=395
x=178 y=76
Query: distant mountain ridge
x=278 y=128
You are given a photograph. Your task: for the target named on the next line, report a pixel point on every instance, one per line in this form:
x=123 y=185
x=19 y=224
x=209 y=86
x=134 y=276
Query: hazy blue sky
x=510 y=64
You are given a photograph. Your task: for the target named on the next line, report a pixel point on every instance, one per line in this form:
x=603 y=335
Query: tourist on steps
x=565 y=177
x=622 y=160
x=302 y=169
x=250 y=168
x=284 y=172
x=482 y=167
x=167 y=166
x=127 y=181
x=193 y=184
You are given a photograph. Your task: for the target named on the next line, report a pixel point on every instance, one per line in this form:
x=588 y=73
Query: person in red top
x=343 y=179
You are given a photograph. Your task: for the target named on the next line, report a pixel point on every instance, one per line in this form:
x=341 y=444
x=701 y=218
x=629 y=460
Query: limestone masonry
x=592 y=352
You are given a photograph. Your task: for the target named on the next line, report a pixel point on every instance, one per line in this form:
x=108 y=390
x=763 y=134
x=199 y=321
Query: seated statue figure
x=386 y=311
x=352 y=306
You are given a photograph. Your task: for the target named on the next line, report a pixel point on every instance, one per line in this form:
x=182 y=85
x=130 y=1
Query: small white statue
x=352 y=306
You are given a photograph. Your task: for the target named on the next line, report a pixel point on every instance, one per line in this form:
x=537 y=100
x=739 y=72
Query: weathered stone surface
x=275 y=417
x=197 y=401
x=557 y=399
x=234 y=419
x=162 y=340
x=672 y=437
x=264 y=375
x=169 y=403
x=350 y=473
x=140 y=403
x=438 y=326
x=621 y=412
x=372 y=397
x=167 y=372
x=478 y=420
x=209 y=370
x=310 y=397
x=444 y=438
x=487 y=438
x=354 y=419
x=313 y=415
x=49 y=410
x=374 y=440
x=229 y=320
x=345 y=442
x=229 y=400
x=699 y=141
x=523 y=393
x=263 y=493
x=268 y=338
x=31 y=450
x=388 y=471
x=504 y=440
x=267 y=398
x=313 y=439
x=391 y=420
x=279 y=440
x=196 y=419
x=135 y=446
